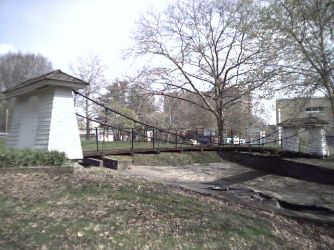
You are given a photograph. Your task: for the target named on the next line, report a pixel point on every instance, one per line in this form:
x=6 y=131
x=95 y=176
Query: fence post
x=153 y=139
x=232 y=138
x=97 y=140
x=262 y=142
x=6 y=129
x=158 y=138
x=249 y=144
x=176 y=137
x=280 y=140
x=132 y=139
x=211 y=137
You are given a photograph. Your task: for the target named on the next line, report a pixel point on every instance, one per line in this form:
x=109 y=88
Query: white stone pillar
x=317 y=144
x=44 y=115
x=290 y=139
x=64 y=132
x=46 y=120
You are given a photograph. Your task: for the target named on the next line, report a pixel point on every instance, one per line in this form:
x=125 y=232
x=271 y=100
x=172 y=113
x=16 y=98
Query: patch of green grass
x=2 y=144
x=29 y=158
x=176 y=159
x=128 y=214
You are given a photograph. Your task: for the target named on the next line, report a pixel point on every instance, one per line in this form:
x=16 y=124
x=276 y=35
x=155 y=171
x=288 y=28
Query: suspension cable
x=161 y=129
x=7 y=98
x=126 y=131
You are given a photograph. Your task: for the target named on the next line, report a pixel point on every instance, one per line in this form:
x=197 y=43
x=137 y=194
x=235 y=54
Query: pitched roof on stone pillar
x=308 y=122
x=51 y=79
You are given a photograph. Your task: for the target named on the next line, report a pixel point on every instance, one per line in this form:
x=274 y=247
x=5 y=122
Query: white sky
x=63 y=30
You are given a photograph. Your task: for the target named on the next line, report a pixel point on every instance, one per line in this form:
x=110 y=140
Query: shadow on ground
x=238 y=178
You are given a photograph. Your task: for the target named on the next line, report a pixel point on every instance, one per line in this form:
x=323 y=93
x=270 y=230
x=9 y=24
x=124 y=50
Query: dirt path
x=233 y=181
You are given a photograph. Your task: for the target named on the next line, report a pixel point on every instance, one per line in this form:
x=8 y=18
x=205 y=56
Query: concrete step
x=120 y=165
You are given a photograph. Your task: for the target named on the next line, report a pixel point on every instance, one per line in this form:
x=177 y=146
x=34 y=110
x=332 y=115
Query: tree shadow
x=238 y=178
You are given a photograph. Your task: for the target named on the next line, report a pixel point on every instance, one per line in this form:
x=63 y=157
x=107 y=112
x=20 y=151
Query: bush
x=31 y=158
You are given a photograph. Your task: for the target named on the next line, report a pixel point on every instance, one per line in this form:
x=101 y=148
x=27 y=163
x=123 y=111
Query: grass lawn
x=171 y=159
x=176 y=159
x=99 y=209
x=2 y=144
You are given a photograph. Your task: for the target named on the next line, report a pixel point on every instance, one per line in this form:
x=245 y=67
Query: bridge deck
x=88 y=154
x=147 y=151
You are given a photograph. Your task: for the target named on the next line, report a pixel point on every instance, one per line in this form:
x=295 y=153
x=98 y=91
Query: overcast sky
x=62 y=30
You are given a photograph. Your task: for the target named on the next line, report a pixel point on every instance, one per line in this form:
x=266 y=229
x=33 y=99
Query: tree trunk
x=220 y=125
x=331 y=100
x=87 y=130
x=87 y=122
x=330 y=93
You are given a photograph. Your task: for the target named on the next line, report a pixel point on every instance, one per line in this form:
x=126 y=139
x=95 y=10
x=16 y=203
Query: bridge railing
x=106 y=138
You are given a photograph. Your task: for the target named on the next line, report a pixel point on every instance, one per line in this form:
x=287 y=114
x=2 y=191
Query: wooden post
x=232 y=139
x=153 y=139
x=158 y=138
x=176 y=137
x=6 y=130
x=132 y=137
x=97 y=140
x=211 y=137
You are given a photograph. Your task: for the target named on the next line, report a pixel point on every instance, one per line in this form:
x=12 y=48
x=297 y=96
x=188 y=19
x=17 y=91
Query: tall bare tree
x=303 y=33
x=90 y=69
x=14 y=69
x=184 y=115
x=212 y=49
x=18 y=67
x=128 y=98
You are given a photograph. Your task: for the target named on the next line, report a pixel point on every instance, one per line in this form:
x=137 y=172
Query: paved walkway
x=233 y=181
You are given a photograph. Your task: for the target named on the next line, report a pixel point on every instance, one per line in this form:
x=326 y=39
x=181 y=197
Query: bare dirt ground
x=231 y=180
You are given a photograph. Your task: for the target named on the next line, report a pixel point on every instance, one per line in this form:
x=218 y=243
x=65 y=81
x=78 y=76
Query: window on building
x=315 y=109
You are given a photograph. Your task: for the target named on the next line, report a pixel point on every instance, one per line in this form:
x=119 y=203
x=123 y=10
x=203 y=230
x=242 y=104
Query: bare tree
x=14 y=69
x=184 y=115
x=18 y=67
x=90 y=69
x=129 y=97
x=212 y=49
x=303 y=33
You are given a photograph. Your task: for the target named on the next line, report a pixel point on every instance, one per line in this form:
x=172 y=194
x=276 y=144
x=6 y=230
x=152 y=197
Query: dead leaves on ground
x=99 y=208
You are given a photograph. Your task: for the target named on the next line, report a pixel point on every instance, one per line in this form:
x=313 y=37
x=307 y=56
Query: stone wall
x=282 y=166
